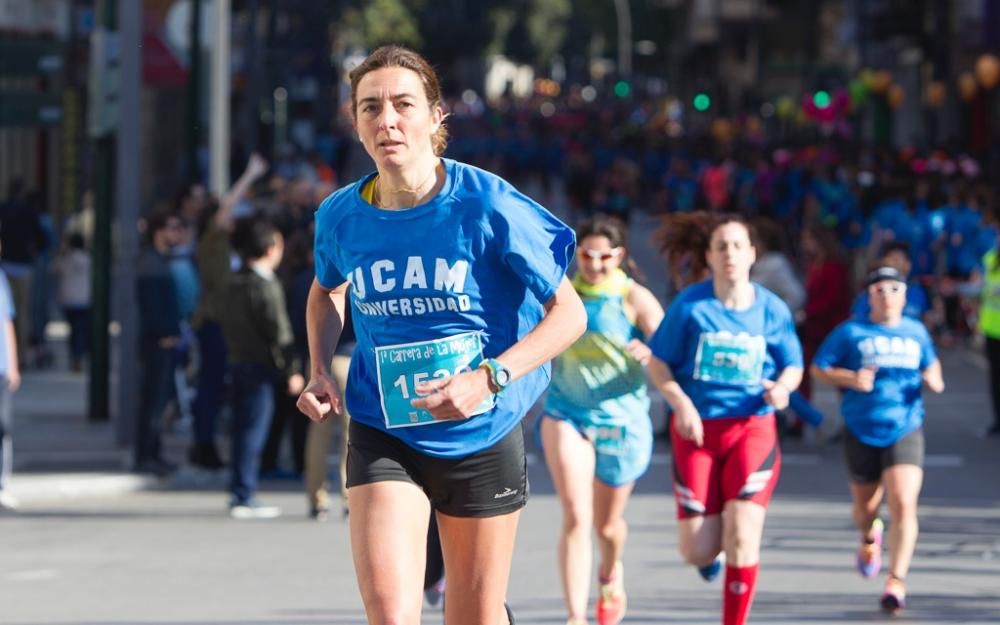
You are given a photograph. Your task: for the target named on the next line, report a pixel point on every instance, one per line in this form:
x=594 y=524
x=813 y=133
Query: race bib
x=607 y=439
x=730 y=359
x=401 y=368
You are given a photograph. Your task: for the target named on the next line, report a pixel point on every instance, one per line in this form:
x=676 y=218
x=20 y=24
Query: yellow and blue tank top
x=596 y=380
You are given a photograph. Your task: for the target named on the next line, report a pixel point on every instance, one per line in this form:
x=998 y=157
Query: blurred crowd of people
x=823 y=213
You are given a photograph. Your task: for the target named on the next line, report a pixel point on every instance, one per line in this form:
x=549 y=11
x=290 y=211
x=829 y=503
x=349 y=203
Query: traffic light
x=622 y=88
x=702 y=102
x=821 y=99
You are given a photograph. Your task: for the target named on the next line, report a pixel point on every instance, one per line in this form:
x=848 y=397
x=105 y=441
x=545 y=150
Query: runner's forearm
x=324 y=325
x=565 y=320
x=790 y=378
x=663 y=380
x=835 y=376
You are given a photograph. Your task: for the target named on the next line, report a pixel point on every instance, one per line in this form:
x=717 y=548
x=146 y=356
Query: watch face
x=503 y=377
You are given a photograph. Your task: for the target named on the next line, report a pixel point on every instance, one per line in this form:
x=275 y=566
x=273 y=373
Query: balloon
x=988 y=70
x=784 y=107
x=967 y=86
x=858 y=92
x=936 y=94
x=867 y=78
x=896 y=96
x=881 y=82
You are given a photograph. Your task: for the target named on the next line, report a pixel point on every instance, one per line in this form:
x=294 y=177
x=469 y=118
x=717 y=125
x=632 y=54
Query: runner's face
x=393 y=118
x=597 y=258
x=888 y=298
x=730 y=253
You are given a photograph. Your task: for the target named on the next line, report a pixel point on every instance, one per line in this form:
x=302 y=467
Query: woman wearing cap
x=881 y=362
x=457 y=288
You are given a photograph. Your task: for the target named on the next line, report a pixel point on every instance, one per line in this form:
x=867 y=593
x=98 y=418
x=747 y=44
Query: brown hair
x=684 y=238
x=397 y=56
x=601 y=225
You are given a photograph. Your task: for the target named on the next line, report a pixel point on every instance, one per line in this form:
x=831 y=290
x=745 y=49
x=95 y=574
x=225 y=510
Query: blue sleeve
x=668 y=340
x=533 y=243
x=927 y=352
x=831 y=352
x=785 y=348
x=860 y=308
x=324 y=246
x=920 y=300
x=6 y=299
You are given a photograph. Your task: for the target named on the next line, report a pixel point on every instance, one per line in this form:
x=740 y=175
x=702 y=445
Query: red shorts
x=739 y=460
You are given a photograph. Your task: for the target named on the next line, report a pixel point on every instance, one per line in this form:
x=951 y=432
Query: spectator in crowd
x=73 y=275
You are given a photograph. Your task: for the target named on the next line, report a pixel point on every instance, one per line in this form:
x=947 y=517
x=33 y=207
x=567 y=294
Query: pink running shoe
x=869 y=561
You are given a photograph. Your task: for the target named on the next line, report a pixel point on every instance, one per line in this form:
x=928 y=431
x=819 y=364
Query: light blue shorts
x=623 y=449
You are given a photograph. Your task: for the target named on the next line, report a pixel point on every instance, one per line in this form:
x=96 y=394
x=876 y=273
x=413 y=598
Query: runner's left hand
x=639 y=350
x=775 y=394
x=454 y=397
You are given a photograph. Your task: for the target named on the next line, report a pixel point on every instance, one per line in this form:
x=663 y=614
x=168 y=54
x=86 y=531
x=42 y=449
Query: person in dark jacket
x=159 y=334
x=259 y=340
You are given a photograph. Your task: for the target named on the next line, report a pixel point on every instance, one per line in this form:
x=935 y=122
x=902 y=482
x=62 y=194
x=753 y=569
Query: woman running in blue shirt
x=881 y=362
x=727 y=357
x=457 y=288
x=595 y=429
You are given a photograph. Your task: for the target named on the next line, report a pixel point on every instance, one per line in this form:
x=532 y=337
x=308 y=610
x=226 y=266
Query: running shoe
x=611 y=601
x=894 y=596
x=435 y=594
x=869 y=561
x=710 y=571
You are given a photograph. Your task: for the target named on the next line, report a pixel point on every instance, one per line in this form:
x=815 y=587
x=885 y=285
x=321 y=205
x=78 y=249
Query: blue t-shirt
x=436 y=288
x=6 y=314
x=894 y=408
x=720 y=356
x=916 y=303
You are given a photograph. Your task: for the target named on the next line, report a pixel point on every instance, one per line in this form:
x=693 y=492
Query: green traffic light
x=622 y=89
x=821 y=99
x=702 y=102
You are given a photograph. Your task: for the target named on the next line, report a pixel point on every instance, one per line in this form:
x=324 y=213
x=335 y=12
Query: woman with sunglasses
x=726 y=357
x=595 y=430
x=881 y=362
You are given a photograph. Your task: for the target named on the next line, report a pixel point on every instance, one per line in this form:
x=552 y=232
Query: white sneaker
x=8 y=503
x=253 y=510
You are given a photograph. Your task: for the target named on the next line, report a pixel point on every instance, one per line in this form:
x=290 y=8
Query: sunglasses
x=885 y=289
x=603 y=256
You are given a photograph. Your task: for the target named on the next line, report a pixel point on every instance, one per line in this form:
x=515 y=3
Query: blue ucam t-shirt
x=720 y=356
x=916 y=303
x=900 y=353
x=435 y=289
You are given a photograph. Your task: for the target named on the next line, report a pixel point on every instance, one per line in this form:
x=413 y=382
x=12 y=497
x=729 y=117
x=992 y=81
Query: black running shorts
x=865 y=463
x=488 y=483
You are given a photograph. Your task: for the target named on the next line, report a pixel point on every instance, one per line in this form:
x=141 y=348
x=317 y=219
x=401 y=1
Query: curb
x=30 y=488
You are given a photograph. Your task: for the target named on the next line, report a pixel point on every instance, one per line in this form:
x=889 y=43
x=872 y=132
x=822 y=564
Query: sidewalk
x=58 y=453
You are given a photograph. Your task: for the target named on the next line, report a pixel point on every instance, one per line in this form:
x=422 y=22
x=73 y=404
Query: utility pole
x=102 y=129
x=624 y=14
x=128 y=205
x=219 y=138
x=194 y=92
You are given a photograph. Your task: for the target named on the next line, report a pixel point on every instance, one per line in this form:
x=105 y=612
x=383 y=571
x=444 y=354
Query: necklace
x=415 y=191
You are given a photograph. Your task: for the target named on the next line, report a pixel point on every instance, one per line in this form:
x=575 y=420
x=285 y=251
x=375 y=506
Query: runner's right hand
x=319 y=398
x=688 y=424
x=864 y=379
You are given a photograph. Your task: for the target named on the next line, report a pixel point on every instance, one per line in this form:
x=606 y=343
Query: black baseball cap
x=880 y=274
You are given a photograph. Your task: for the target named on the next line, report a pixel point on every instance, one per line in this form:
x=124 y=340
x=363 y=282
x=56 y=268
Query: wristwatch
x=500 y=376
